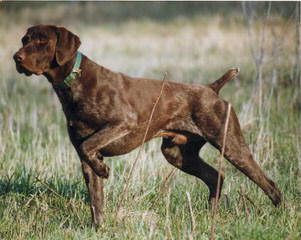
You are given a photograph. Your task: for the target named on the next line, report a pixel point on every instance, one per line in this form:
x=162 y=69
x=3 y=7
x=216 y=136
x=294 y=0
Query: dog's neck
x=58 y=73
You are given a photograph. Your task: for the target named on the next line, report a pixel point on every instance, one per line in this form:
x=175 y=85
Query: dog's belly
x=127 y=143
x=135 y=138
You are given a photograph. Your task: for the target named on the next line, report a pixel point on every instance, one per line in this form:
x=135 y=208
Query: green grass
x=42 y=192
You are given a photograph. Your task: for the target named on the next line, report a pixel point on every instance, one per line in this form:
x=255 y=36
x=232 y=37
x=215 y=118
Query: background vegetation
x=42 y=193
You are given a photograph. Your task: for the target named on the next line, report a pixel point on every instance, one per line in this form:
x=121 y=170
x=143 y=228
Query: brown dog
x=107 y=114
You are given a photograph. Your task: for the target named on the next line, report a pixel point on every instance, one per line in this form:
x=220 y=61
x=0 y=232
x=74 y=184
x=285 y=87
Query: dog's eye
x=25 y=40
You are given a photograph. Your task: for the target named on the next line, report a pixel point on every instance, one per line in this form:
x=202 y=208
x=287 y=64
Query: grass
x=42 y=192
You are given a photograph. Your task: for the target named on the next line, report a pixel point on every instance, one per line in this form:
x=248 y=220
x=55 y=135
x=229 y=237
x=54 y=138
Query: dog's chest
x=90 y=107
x=87 y=112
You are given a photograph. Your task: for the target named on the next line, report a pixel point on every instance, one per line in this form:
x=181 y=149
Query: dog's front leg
x=94 y=169
x=90 y=149
x=95 y=187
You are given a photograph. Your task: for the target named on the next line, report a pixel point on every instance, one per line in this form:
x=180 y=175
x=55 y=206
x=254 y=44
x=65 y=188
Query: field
x=42 y=192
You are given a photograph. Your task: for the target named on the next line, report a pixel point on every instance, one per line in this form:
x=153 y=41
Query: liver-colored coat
x=107 y=115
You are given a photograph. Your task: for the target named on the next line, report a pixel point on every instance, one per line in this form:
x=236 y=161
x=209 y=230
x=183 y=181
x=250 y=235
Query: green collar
x=74 y=73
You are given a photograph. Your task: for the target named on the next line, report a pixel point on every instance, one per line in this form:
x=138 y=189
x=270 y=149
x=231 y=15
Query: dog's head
x=45 y=47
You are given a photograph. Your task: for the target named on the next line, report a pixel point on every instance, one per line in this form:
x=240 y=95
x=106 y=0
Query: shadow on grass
x=28 y=183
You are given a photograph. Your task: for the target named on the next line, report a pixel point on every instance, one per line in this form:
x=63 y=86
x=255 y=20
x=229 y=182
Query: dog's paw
x=106 y=172
x=99 y=167
x=102 y=170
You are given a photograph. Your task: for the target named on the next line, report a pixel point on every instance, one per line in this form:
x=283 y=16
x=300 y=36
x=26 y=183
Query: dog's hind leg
x=236 y=149
x=186 y=158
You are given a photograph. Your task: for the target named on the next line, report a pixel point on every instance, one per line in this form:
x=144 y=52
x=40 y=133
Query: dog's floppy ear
x=66 y=46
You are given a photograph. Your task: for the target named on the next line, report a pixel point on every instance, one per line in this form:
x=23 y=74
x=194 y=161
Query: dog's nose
x=19 y=57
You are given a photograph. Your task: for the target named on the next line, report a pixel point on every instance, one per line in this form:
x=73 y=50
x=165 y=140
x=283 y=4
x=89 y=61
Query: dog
x=107 y=114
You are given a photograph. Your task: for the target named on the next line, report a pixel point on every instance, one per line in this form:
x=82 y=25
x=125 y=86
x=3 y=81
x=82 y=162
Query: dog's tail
x=219 y=83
